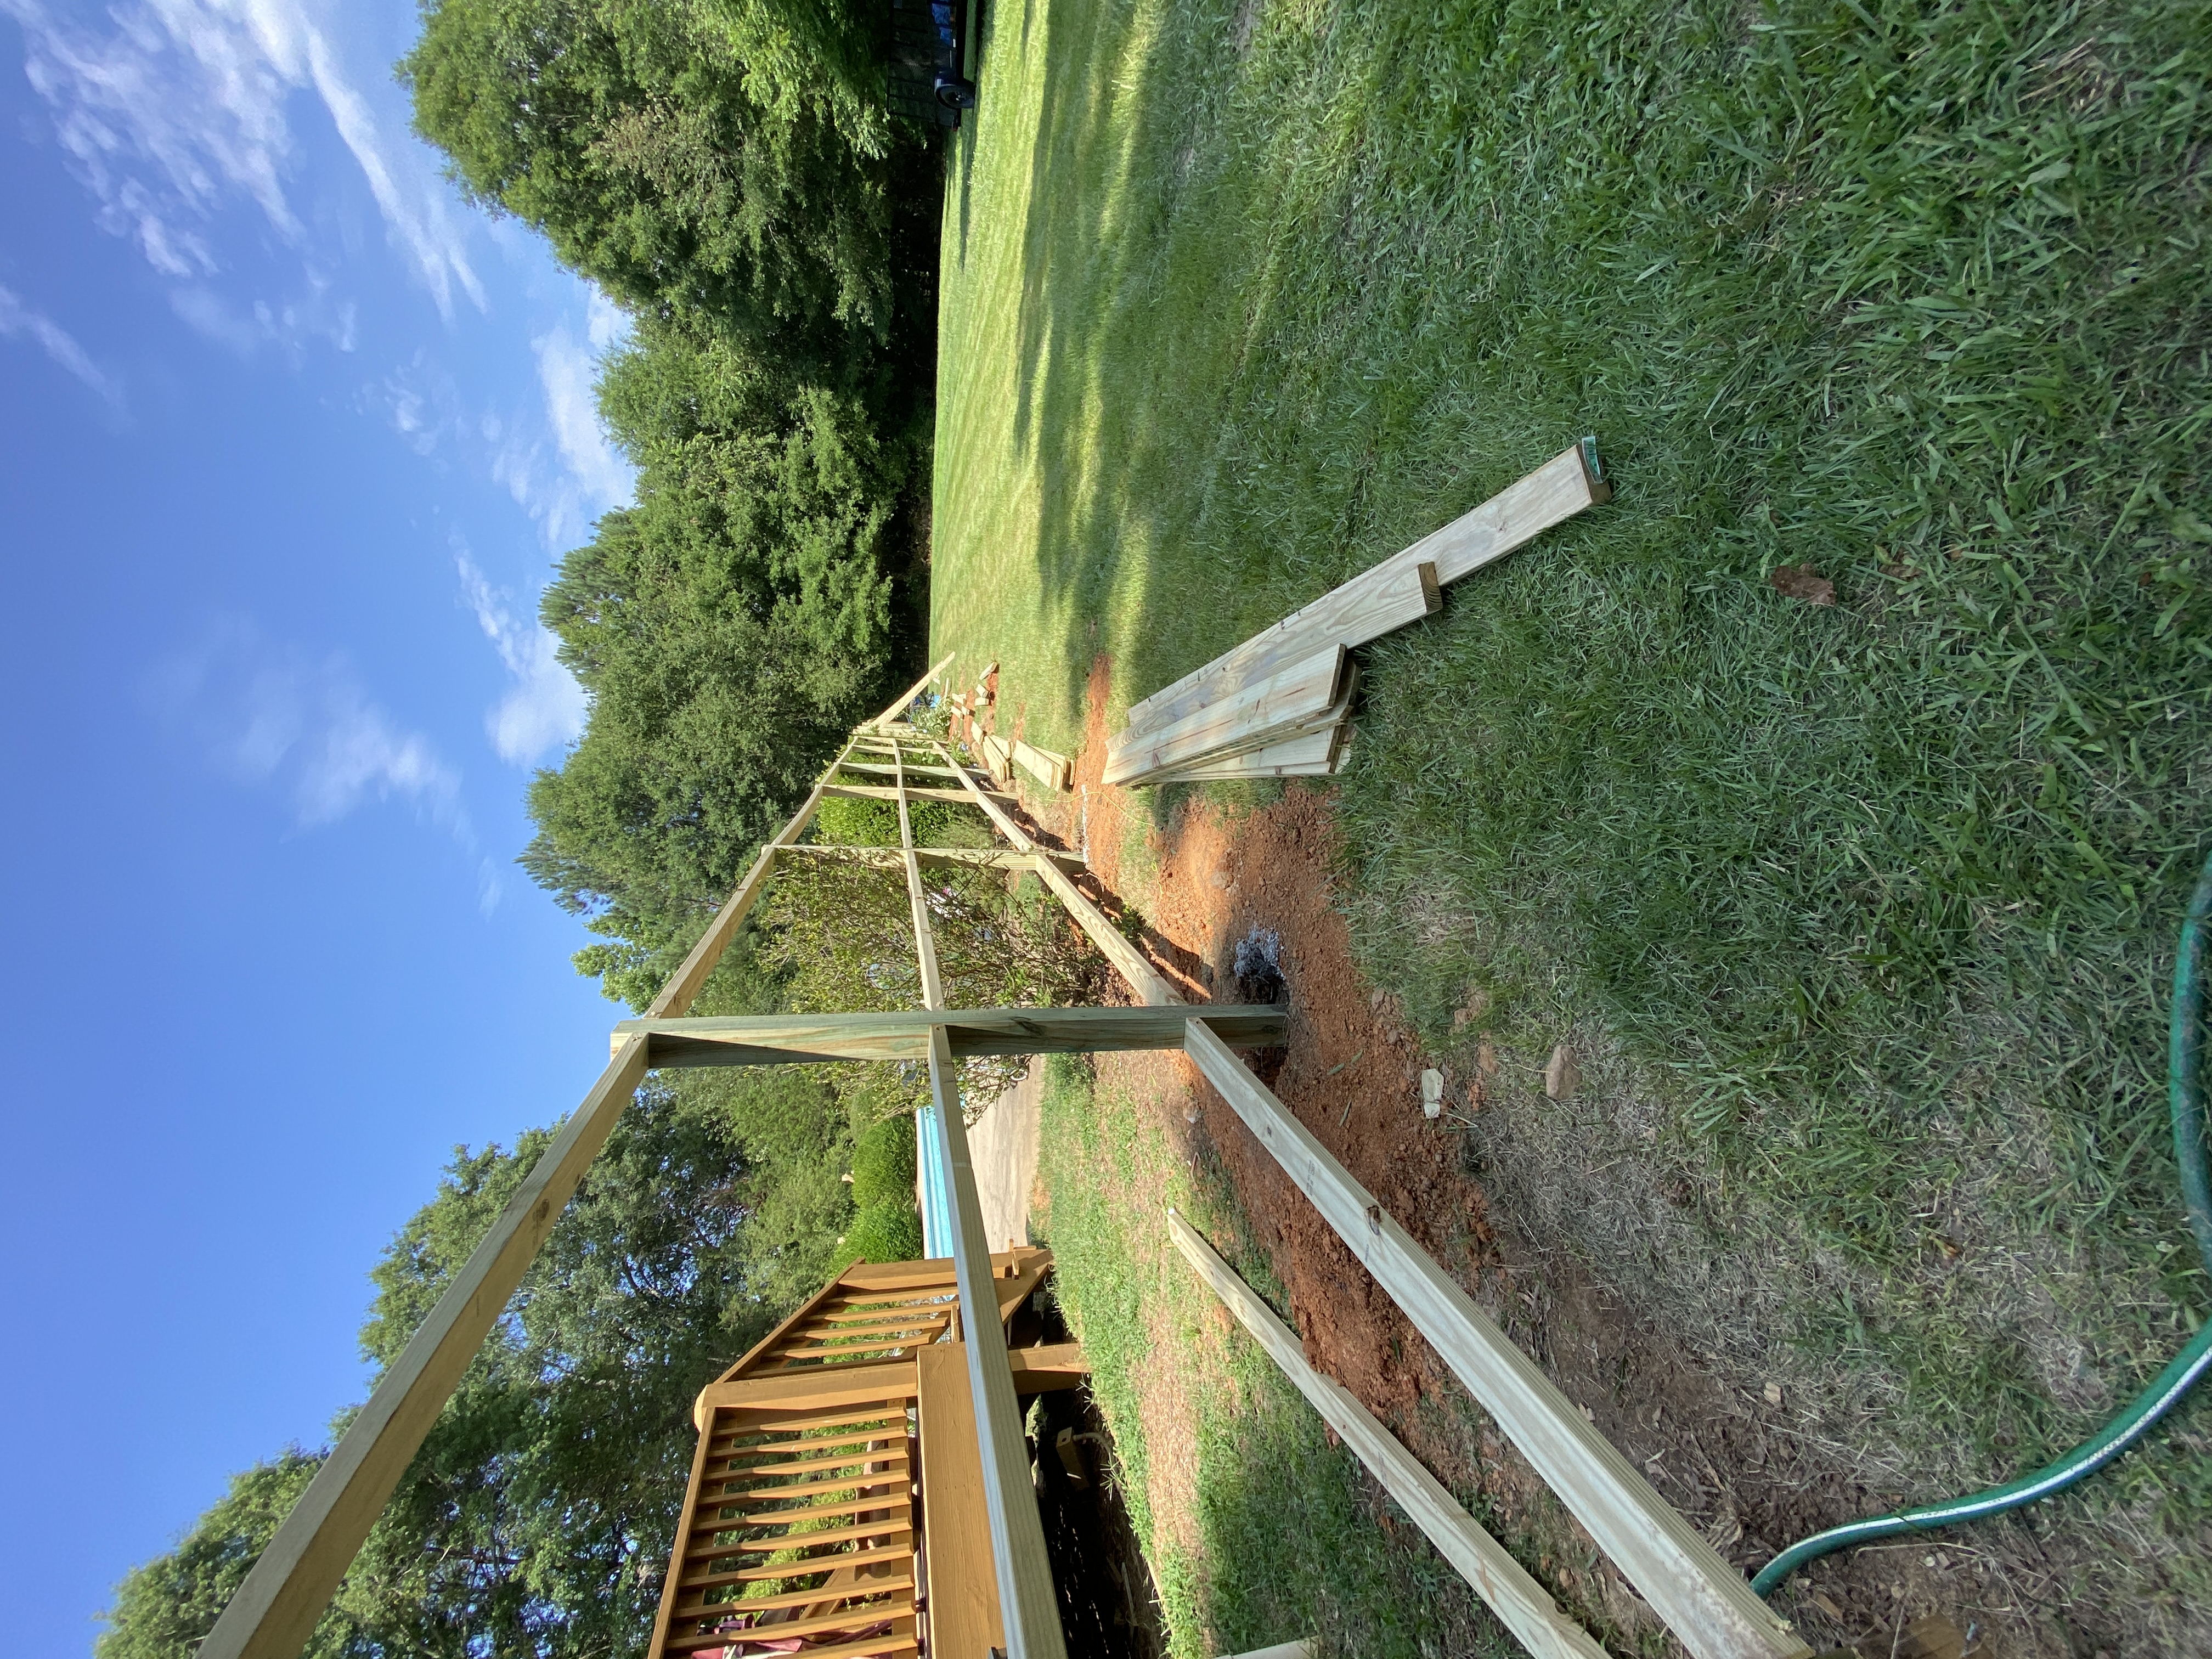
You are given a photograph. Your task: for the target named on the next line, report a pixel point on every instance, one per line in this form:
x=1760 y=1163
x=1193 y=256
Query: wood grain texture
x=276 y=1608
x=963 y=1583
x=1378 y=600
x=1707 y=1603
x=1052 y=771
x=1029 y=1607
x=1293 y=693
x=1522 y=1605
x=779 y=1039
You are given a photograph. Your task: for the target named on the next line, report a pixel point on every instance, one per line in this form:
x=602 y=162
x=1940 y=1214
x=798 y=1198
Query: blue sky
x=292 y=438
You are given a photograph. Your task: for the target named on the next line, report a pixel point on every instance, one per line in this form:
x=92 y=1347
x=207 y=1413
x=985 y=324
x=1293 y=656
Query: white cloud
x=181 y=108
x=273 y=717
x=585 y=474
x=544 y=710
x=566 y=371
x=18 y=319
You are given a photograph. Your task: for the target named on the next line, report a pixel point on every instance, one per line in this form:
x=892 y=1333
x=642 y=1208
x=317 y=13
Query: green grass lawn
x=1869 y=908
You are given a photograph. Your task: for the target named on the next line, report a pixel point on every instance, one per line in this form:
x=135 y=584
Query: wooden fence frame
x=1705 y=1603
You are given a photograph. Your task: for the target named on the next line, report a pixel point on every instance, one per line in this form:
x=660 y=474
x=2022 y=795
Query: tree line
x=725 y=170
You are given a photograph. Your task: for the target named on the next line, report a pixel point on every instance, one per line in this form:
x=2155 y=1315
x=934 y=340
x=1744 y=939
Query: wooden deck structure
x=827 y=1419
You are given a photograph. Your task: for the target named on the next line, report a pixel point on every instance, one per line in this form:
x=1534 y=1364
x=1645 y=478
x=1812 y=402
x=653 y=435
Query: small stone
x=1774 y=1394
x=1374 y=999
x=1432 y=1093
x=1561 y=1074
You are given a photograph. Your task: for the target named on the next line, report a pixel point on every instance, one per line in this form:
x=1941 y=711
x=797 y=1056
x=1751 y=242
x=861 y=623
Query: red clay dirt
x=1350 y=1073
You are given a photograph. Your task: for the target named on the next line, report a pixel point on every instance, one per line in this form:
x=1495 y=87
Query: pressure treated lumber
x=847 y=1385
x=1052 y=771
x=1707 y=1603
x=1520 y=1602
x=786 y=1039
x=1048 y=1368
x=881 y=792
x=906 y=698
x=1283 y=703
x=963 y=1606
x=1358 y=611
x=1314 y=755
x=993 y=858
x=275 y=1610
x=1028 y=1606
x=1147 y=980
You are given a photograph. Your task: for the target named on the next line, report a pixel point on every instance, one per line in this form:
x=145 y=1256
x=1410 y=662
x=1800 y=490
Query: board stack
x=1279 y=705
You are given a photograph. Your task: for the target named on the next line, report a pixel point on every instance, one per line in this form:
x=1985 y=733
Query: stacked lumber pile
x=1278 y=705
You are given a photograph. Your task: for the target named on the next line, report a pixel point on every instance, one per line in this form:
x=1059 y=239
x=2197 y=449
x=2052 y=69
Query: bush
x=885 y=1232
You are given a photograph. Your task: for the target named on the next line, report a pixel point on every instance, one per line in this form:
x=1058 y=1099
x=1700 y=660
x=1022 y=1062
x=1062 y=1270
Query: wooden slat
x=916 y=792
x=1520 y=1602
x=779 y=1039
x=1052 y=771
x=1354 y=613
x=845 y=1618
x=863 y=1426
x=718 y=1510
x=1311 y=755
x=1330 y=723
x=797 y=1489
x=990 y=858
x=1707 y=1604
x=869 y=1321
x=1285 y=702
x=889 y=1584
x=807 y=1464
x=843 y=1385
x=964 y=1600
x=791 y=1541
x=900 y=1640
x=278 y=1605
x=795 y=1570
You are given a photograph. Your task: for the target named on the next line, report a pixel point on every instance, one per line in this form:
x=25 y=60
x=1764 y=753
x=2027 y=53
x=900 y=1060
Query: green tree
x=538 y=1516
x=730 y=629
x=730 y=160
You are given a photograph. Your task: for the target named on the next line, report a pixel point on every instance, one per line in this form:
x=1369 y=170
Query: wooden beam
x=1052 y=771
x=1049 y=1367
x=879 y=792
x=1707 y=1603
x=1028 y=1606
x=1520 y=1602
x=276 y=1608
x=1360 y=610
x=1150 y=985
x=963 y=1589
x=995 y=858
x=792 y=1039
x=1295 y=698
x=1314 y=755
x=829 y=1387
x=906 y=700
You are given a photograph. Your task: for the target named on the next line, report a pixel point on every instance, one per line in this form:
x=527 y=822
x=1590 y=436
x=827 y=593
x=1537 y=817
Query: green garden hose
x=2184 y=1049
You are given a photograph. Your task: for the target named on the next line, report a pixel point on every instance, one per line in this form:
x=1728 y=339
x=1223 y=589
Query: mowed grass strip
x=1875 y=900
x=1257 y=1528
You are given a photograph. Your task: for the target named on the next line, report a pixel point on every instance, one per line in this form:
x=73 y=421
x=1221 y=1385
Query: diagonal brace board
x=1708 y=1604
x=1518 y=1600
x=784 y=1039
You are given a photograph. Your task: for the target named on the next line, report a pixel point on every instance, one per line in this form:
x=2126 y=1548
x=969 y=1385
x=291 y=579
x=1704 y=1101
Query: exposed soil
x=1717 y=1448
